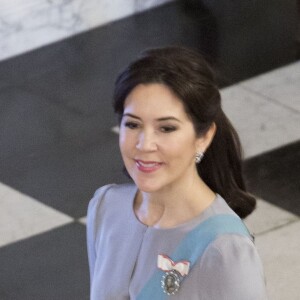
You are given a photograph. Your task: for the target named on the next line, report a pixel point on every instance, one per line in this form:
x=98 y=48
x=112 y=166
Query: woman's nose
x=146 y=142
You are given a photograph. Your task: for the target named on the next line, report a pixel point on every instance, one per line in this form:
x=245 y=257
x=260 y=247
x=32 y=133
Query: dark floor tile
x=56 y=154
x=49 y=266
x=66 y=175
x=275 y=177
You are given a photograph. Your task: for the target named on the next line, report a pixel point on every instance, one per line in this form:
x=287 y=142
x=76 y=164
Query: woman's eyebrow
x=131 y=115
x=167 y=118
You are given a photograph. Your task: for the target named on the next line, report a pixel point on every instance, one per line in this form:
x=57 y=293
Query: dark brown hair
x=189 y=76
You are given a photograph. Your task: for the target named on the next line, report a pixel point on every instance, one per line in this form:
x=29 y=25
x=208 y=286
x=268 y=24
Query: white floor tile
x=115 y=129
x=267 y=217
x=22 y=216
x=279 y=250
x=261 y=124
x=83 y=220
x=4 y=189
x=282 y=85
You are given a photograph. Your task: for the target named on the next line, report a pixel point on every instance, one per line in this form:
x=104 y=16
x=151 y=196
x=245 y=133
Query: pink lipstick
x=148 y=166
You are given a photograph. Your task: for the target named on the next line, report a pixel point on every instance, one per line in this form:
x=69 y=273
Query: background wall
x=26 y=25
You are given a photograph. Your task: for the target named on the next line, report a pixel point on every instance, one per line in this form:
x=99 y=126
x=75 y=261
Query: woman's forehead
x=155 y=98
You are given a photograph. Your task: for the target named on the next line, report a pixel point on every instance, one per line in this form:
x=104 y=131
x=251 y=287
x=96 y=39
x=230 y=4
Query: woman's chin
x=147 y=186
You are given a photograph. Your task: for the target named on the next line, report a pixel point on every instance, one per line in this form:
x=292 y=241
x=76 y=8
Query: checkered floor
x=58 y=146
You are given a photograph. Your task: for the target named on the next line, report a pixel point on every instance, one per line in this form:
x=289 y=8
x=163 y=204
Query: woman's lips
x=148 y=166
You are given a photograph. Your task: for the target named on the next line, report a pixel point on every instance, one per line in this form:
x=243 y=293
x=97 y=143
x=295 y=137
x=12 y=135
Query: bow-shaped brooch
x=174 y=272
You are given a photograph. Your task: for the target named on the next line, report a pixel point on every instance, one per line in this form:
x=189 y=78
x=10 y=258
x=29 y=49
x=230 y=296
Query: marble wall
x=26 y=25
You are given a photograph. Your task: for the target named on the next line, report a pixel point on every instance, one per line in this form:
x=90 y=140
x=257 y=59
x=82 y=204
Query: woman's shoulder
x=107 y=203
x=112 y=193
x=220 y=206
x=226 y=245
x=114 y=187
x=232 y=266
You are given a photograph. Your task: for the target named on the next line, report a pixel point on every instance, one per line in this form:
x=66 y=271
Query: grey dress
x=123 y=253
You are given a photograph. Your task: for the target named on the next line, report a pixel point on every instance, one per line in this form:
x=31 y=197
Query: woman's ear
x=205 y=140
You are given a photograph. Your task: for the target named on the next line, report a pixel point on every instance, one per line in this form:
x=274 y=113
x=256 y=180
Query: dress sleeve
x=230 y=268
x=92 y=225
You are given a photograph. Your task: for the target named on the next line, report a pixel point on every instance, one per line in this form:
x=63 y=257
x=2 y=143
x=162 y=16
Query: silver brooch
x=170 y=282
x=174 y=272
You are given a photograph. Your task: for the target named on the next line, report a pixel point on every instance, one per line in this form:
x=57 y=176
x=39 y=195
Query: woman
x=171 y=233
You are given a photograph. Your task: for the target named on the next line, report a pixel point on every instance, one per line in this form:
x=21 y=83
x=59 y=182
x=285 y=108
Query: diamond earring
x=198 y=157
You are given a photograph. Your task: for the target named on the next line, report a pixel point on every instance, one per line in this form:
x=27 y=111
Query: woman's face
x=158 y=142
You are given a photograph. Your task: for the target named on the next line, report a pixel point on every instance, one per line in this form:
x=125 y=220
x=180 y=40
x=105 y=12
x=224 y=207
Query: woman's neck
x=174 y=206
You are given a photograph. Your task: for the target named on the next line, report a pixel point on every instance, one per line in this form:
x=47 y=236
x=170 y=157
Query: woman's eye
x=131 y=125
x=167 y=129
